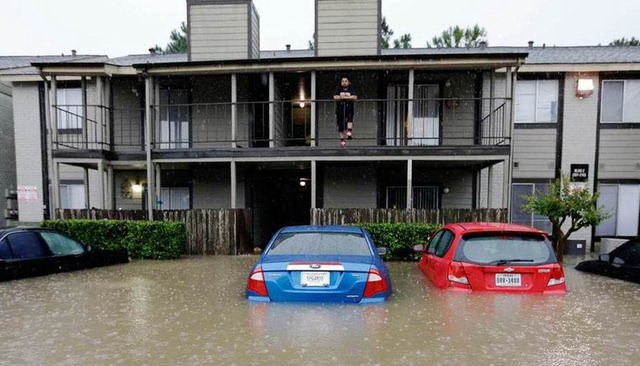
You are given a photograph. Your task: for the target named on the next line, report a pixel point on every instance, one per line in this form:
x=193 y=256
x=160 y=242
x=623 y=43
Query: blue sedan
x=320 y=264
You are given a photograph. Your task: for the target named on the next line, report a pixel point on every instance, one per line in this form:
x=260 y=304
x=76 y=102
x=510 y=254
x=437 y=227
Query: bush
x=399 y=238
x=142 y=239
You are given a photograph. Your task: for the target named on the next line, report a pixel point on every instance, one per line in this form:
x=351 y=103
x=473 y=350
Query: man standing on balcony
x=344 y=95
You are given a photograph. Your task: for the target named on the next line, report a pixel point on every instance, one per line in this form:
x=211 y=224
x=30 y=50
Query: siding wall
x=128 y=116
x=7 y=148
x=458 y=123
x=619 y=154
x=349 y=187
x=347 y=27
x=212 y=187
x=535 y=153
x=26 y=117
x=219 y=32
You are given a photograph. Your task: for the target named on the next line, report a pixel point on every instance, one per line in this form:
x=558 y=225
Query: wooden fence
x=336 y=216
x=213 y=232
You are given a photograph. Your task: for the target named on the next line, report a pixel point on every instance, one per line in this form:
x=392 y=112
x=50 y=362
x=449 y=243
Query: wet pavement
x=193 y=311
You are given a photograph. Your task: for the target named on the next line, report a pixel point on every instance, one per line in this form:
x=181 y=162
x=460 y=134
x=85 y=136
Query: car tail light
x=557 y=276
x=456 y=274
x=375 y=283
x=256 y=283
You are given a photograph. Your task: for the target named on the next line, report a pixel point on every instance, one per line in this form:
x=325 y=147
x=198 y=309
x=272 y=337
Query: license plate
x=314 y=279
x=508 y=280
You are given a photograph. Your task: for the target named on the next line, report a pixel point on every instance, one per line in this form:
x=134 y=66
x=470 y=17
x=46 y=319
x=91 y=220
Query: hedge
x=399 y=238
x=142 y=239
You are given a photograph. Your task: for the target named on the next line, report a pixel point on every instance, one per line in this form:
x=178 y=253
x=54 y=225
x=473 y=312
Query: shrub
x=399 y=238
x=142 y=239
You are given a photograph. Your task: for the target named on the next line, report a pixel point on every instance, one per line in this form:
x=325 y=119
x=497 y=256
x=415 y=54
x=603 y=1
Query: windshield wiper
x=501 y=262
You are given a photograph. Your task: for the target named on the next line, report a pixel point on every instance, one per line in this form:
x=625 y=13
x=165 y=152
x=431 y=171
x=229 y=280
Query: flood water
x=193 y=311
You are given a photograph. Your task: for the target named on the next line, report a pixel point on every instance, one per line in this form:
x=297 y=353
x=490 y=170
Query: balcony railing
x=289 y=123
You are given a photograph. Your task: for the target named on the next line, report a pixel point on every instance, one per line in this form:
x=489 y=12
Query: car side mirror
x=604 y=258
x=419 y=248
x=382 y=250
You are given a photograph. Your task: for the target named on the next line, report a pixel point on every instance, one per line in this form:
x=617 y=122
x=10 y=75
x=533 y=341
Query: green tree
x=403 y=42
x=178 y=41
x=566 y=204
x=458 y=37
x=633 y=41
x=385 y=33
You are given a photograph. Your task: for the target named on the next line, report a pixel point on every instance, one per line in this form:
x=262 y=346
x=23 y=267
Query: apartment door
x=174 y=119
x=424 y=128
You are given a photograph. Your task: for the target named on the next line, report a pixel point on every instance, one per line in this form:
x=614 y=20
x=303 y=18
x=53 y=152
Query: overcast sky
x=119 y=27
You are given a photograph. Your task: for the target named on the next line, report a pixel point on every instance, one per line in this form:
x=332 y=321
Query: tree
x=403 y=42
x=458 y=37
x=178 y=41
x=563 y=203
x=633 y=41
x=385 y=33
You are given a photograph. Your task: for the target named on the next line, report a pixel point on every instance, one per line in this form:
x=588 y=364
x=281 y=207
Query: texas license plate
x=508 y=280
x=314 y=279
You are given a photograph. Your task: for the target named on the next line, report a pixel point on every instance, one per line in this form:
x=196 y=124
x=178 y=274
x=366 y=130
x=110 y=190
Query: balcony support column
x=101 y=128
x=87 y=193
x=509 y=173
x=56 y=187
x=314 y=183
x=409 y=184
x=111 y=205
x=149 y=92
x=108 y=113
x=272 y=97
x=234 y=110
x=101 y=185
x=313 y=112
x=234 y=185
x=410 y=108
x=85 y=135
x=158 y=184
x=49 y=162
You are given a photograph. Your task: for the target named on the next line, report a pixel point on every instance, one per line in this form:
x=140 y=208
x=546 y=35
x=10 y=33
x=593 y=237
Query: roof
x=324 y=229
x=492 y=227
x=22 y=65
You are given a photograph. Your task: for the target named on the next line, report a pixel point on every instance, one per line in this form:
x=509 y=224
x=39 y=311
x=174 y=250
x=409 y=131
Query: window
x=175 y=198
x=424 y=198
x=72 y=196
x=489 y=248
x=320 y=243
x=444 y=244
x=519 y=215
x=630 y=254
x=70 y=109
x=174 y=119
x=26 y=246
x=537 y=101
x=5 y=250
x=620 y=101
x=434 y=242
x=622 y=202
x=61 y=245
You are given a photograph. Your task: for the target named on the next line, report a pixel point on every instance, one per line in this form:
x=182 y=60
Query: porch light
x=302 y=183
x=301 y=104
x=136 y=187
x=584 y=88
x=445 y=190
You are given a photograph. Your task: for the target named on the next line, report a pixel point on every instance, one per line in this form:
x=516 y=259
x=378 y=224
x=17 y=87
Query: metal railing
x=288 y=123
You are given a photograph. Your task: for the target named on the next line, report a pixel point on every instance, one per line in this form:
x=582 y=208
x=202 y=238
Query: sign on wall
x=27 y=194
x=579 y=172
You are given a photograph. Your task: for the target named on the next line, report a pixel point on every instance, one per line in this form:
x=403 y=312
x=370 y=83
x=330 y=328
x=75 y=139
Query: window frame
x=46 y=244
x=434 y=242
x=438 y=196
x=533 y=191
x=616 y=214
x=535 y=106
x=62 y=124
x=45 y=248
x=624 y=92
x=448 y=245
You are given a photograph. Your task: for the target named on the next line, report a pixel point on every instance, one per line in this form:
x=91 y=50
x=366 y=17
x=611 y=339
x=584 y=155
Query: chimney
x=223 y=30
x=347 y=28
x=152 y=51
x=530 y=45
x=74 y=53
x=288 y=48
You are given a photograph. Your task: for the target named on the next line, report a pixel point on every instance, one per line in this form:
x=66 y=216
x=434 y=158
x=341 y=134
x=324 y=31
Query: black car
x=28 y=252
x=623 y=262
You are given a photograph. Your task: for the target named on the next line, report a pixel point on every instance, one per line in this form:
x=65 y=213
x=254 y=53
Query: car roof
x=21 y=228
x=474 y=227
x=321 y=229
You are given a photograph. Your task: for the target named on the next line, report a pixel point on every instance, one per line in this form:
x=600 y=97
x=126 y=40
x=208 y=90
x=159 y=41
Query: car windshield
x=499 y=249
x=317 y=243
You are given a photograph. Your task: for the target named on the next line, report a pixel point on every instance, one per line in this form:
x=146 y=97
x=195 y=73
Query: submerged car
x=320 y=264
x=29 y=252
x=468 y=257
x=621 y=263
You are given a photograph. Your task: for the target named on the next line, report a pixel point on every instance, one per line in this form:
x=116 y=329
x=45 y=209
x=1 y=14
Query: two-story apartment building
x=230 y=126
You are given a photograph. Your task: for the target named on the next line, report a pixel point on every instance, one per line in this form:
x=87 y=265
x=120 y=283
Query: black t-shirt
x=344 y=105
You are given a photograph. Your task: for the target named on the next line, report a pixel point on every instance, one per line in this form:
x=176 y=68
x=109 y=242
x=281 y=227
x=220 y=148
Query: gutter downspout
x=47 y=178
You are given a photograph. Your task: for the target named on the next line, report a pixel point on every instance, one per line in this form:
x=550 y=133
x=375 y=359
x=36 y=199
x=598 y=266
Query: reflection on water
x=193 y=311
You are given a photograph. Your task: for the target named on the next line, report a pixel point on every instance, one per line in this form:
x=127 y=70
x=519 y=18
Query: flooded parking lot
x=193 y=311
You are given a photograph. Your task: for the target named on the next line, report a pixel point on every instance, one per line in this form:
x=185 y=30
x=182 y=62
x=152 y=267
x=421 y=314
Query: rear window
x=491 y=248
x=320 y=244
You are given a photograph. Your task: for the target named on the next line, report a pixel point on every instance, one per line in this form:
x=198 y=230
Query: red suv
x=492 y=257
